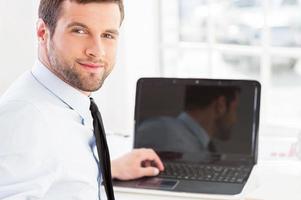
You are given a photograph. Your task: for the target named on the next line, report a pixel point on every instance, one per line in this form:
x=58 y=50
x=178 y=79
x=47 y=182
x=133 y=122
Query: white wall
x=138 y=55
x=17 y=39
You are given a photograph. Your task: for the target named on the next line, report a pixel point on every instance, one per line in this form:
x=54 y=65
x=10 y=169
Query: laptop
x=204 y=130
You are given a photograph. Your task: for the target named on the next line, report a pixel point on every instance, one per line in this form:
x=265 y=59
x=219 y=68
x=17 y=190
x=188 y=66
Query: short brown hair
x=50 y=10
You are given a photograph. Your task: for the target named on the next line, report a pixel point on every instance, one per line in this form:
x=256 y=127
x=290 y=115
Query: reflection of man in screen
x=209 y=114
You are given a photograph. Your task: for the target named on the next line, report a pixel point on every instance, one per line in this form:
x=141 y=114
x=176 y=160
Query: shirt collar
x=196 y=128
x=66 y=93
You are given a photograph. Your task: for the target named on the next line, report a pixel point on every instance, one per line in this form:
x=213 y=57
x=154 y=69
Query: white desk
x=278 y=180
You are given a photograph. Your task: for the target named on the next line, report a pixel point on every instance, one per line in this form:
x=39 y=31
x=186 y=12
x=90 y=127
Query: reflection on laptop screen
x=197 y=117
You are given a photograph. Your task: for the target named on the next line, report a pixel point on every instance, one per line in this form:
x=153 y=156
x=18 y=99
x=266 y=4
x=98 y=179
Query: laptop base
x=189 y=186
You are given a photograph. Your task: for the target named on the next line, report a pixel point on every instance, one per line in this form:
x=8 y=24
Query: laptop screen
x=192 y=118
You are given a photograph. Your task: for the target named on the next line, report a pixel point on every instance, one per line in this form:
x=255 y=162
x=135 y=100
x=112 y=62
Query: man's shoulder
x=19 y=110
x=26 y=91
x=22 y=87
x=26 y=110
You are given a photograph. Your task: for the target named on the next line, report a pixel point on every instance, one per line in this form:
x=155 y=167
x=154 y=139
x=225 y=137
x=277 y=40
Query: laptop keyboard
x=214 y=173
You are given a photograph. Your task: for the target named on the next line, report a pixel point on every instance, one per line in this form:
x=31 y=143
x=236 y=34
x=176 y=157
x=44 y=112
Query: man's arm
x=136 y=164
x=24 y=169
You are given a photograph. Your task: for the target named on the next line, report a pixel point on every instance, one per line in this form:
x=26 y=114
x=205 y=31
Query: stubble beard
x=69 y=73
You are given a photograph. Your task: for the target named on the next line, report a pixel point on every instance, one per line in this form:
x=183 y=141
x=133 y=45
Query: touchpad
x=158 y=183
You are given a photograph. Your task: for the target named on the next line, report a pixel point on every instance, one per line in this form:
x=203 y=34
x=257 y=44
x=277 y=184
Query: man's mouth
x=91 y=67
x=90 y=64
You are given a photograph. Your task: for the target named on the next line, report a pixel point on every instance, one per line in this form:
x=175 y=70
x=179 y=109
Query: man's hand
x=136 y=164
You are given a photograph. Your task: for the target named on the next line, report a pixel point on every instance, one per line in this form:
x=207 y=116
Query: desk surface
x=270 y=180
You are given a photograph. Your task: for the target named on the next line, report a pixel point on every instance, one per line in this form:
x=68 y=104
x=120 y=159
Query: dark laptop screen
x=195 y=117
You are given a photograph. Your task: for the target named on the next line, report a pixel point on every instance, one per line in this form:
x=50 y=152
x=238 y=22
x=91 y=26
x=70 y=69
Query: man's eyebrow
x=113 y=31
x=77 y=24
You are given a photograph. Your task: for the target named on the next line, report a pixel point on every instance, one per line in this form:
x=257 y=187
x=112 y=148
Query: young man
x=47 y=146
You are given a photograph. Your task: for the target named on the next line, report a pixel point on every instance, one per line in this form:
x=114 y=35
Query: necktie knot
x=93 y=106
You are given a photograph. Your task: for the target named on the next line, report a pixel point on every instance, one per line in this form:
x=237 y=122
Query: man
x=47 y=146
x=209 y=114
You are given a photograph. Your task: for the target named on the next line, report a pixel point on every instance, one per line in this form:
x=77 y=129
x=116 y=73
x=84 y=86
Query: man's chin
x=91 y=88
x=86 y=82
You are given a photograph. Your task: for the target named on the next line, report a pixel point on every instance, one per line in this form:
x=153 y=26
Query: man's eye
x=109 y=36
x=79 y=31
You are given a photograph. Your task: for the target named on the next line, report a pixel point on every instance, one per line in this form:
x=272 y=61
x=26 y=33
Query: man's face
x=226 y=122
x=83 y=47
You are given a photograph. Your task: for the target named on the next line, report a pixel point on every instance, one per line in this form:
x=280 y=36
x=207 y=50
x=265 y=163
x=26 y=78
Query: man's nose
x=96 y=49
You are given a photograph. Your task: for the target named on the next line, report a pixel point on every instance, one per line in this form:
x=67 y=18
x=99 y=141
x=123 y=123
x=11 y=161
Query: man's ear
x=220 y=105
x=42 y=31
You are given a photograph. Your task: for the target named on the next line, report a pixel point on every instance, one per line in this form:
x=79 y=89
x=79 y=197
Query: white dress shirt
x=46 y=137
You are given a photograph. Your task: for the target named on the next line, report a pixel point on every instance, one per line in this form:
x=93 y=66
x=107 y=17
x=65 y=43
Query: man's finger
x=150 y=154
x=149 y=171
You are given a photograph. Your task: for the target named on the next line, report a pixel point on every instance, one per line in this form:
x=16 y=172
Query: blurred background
x=240 y=39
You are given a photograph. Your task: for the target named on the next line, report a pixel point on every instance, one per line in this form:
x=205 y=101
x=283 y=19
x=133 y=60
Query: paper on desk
x=274 y=184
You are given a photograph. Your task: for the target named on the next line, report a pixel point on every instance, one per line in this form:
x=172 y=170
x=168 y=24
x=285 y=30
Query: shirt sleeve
x=27 y=166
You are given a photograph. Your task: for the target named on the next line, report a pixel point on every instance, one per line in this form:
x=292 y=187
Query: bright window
x=249 y=39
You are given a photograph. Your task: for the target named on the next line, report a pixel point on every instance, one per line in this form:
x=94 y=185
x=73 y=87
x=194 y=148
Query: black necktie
x=103 y=150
